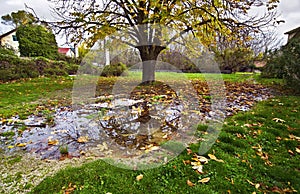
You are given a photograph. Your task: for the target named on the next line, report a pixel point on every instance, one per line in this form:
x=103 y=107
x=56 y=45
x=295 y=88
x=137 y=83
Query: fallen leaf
x=198 y=168
x=204 y=180
x=53 y=142
x=189 y=183
x=196 y=163
x=298 y=150
x=278 y=139
x=189 y=151
x=150 y=148
x=257 y=186
x=165 y=136
x=21 y=144
x=288 y=190
x=278 y=120
x=139 y=177
x=82 y=139
x=185 y=162
x=291 y=152
x=250 y=182
x=105 y=118
x=247 y=125
x=213 y=157
x=153 y=148
x=203 y=160
x=293 y=137
x=102 y=146
x=200 y=159
x=240 y=136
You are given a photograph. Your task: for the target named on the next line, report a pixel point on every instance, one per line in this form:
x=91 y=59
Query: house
x=9 y=40
x=295 y=33
x=259 y=64
x=69 y=52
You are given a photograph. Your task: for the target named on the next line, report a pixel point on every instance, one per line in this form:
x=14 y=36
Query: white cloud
x=289 y=10
x=14 y=3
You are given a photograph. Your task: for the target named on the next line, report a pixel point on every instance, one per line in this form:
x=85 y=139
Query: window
x=15 y=38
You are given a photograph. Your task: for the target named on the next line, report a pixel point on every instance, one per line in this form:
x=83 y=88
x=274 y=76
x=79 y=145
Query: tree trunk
x=149 y=54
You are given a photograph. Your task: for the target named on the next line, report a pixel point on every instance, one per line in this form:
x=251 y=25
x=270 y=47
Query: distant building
x=9 y=40
x=69 y=52
x=295 y=33
x=260 y=63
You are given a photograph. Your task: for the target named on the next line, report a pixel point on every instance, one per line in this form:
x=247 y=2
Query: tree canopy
x=18 y=18
x=36 y=40
x=91 y=20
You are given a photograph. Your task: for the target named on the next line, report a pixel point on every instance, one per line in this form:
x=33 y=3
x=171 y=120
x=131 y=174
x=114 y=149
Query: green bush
x=13 y=67
x=88 y=68
x=8 y=67
x=36 y=40
x=285 y=63
x=114 y=70
x=55 y=72
x=291 y=60
x=274 y=67
x=71 y=68
x=7 y=51
x=67 y=59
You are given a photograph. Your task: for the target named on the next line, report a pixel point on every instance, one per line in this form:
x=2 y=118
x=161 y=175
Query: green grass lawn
x=260 y=148
x=23 y=96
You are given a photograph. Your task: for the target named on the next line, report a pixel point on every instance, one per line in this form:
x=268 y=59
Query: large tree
x=36 y=40
x=18 y=18
x=94 y=19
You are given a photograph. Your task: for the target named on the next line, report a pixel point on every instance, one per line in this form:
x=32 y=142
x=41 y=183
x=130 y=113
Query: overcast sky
x=289 y=10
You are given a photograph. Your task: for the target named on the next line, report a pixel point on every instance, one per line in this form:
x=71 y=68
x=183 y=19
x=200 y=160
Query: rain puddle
x=123 y=127
x=118 y=128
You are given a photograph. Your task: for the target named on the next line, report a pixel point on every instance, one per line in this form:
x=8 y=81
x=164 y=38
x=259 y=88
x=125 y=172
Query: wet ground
x=120 y=126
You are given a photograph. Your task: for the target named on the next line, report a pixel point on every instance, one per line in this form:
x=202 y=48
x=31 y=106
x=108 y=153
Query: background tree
x=36 y=40
x=92 y=20
x=234 y=53
x=18 y=18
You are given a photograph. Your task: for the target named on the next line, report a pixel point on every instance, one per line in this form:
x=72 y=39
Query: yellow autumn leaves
x=197 y=164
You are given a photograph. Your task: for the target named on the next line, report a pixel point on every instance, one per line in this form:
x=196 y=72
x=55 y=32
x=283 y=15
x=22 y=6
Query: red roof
x=63 y=50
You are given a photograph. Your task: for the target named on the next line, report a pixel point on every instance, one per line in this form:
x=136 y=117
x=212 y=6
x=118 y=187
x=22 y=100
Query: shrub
x=114 y=70
x=274 y=67
x=36 y=40
x=291 y=61
x=71 y=68
x=285 y=63
x=88 y=68
x=13 y=67
x=7 y=51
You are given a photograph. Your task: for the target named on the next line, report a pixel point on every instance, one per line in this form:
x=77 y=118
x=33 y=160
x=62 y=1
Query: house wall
x=10 y=42
x=70 y=54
